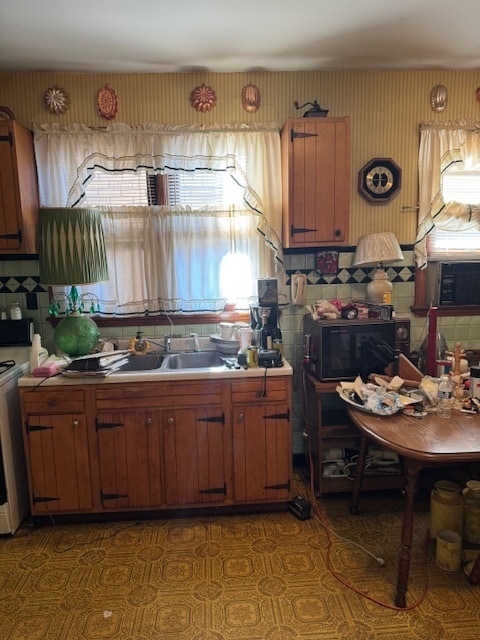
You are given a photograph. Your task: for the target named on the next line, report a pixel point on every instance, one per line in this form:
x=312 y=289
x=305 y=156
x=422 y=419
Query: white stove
x=14 y=503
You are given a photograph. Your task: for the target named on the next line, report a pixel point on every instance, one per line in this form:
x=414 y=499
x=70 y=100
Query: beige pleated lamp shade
x=71 y=247
x=377 y=248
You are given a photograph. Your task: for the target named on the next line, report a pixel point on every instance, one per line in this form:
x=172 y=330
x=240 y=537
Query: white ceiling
x=159 y=36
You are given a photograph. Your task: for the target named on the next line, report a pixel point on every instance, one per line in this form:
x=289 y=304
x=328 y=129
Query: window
x=191 y=215
x=449 y=199
x=461 y=185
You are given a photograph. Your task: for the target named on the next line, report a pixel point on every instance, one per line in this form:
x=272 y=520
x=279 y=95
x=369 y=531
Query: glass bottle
x=266 y=334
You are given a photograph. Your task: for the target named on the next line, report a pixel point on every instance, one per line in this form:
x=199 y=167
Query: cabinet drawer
x=55 y=401
x=158 y=396
x=263 y=388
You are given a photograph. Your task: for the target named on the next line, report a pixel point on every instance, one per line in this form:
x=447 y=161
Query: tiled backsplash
x=19 y=282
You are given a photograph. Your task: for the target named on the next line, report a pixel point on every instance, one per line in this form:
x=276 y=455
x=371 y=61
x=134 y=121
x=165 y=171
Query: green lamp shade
x=76 y=335
x=72 y=252
x=71 y=247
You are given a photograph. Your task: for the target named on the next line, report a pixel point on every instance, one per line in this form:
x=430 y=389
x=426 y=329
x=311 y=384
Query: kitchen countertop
x=157 y=375
x=20 y=355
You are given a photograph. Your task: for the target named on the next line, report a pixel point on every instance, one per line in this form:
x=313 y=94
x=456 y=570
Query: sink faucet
x=195 y=341
x=167 y=343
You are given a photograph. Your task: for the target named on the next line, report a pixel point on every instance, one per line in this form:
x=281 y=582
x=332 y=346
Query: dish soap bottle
x=37 y=353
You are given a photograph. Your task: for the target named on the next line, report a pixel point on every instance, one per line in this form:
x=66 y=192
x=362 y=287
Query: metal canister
x=252 y=356
x=277 y=344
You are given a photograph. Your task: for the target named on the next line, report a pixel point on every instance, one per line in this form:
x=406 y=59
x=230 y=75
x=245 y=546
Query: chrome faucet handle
x=167 y=343
x=196 y=342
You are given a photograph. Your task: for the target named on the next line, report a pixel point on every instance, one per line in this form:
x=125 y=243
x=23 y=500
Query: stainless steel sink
x=196 y=360
x=142 y=363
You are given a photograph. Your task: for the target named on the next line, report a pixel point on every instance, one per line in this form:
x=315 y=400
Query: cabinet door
x=58 y=461
x=262 y=457
x=316 y=181
x=18 y=190
x=129 y=456
x=194 y=456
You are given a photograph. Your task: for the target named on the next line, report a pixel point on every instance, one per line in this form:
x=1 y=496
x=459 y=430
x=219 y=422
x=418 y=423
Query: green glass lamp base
x=76 y=335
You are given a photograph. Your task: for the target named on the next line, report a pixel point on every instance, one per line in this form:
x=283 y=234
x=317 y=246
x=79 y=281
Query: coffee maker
x=266 y=311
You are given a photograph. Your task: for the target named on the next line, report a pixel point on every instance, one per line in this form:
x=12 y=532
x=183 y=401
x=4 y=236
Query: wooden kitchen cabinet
x=18 y=190
x=57 y=452
x=129 y=454
x=99 y=448
x=194 y=456
x=262 y=436
x=316 y=181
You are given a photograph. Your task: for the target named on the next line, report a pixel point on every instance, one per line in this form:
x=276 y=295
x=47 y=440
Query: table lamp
x=375 y=250
x=72 y=252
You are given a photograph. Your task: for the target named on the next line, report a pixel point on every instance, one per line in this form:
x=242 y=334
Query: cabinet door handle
x=149 y=421
x=294 y=230
x=75 y=423
x=241 y=416
x=12 y=236
x=337 y=233
x=52 y=403
x=171 y=420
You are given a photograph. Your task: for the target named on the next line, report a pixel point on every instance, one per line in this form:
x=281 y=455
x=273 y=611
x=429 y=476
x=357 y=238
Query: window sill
x=164 y=320
x=466 y=310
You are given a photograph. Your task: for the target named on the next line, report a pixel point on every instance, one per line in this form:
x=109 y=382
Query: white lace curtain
x=442 y=145
x=172 y=259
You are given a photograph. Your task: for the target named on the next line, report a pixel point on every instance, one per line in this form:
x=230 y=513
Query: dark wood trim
x=163 y=320
x=467 y=310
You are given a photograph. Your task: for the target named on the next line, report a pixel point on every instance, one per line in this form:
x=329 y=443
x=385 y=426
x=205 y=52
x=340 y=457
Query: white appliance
x=14 y=503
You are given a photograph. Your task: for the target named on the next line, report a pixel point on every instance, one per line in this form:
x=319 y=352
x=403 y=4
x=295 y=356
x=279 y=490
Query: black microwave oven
x=344 y=349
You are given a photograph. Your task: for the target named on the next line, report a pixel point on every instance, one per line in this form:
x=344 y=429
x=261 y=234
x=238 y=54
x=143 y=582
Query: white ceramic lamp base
x=379 y=290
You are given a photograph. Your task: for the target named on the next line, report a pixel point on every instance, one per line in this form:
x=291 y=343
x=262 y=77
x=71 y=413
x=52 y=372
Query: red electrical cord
x=319 y=519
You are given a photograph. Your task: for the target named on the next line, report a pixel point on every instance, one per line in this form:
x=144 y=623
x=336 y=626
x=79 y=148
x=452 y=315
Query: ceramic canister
x=446 y=508
x=448 y=553
x=471 y=516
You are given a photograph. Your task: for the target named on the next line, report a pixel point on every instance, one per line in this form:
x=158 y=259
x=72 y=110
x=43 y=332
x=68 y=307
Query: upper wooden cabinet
x=316 y=181
x=18 y=190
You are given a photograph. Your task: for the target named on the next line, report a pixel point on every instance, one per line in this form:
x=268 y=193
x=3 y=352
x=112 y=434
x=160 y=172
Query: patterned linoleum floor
x=242 y=577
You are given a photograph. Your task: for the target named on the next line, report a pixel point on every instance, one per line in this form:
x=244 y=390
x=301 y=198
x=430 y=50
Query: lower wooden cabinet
x=59 y=463
x=129 y=457
x=261 y=452
x=193 y=456
x=123 y=447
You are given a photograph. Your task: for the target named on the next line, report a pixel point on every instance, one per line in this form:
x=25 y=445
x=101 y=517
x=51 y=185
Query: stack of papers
x=98 y=364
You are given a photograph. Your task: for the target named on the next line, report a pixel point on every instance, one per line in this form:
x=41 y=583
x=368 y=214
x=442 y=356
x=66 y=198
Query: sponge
x=138 y=345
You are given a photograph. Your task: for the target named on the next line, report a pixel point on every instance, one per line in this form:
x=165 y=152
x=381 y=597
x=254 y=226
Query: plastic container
x=445 y=397
x=37 y=353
